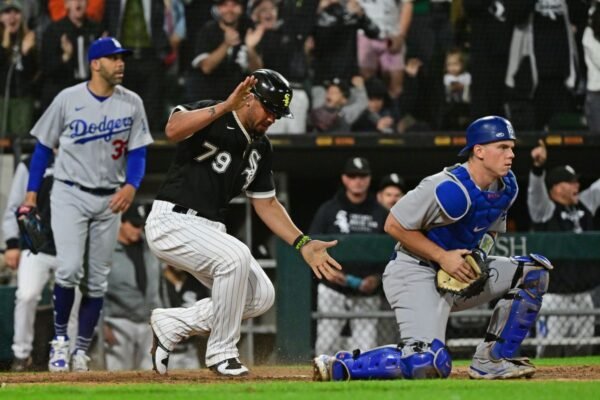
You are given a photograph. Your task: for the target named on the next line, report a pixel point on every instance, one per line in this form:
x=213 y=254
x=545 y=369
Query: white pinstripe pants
x=240 y=288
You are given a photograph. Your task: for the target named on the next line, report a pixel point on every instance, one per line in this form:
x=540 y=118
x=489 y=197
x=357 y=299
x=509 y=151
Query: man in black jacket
x=352 y=210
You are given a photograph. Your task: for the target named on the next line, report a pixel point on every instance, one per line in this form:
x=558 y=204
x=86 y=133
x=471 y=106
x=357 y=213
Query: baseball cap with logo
x=106 y=46
x=563 y=173
x=7 y=5
x=357 y=166
x=136 y=215
x=392 y=179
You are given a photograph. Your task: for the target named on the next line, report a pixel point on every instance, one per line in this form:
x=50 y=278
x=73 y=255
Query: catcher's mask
x=487 y=130
x=273 y=91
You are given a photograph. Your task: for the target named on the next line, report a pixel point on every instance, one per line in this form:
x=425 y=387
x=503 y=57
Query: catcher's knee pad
x=421 y=360
x=413 y=360
x=517 y=311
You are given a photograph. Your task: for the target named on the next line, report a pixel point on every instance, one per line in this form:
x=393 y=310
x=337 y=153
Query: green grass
x=362 y=390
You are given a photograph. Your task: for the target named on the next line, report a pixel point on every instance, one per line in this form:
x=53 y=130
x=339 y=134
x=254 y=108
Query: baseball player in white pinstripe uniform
x=222 y=150
x=101 y=131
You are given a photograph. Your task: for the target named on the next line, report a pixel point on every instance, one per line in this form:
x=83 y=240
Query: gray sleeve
x=356 y=105
x=49 y=127
x=419 y=210
x=590 y=197
x=539 y=204
x=140 y=132
x=16 y=196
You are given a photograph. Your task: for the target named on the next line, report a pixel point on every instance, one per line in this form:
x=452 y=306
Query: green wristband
x=301 y=241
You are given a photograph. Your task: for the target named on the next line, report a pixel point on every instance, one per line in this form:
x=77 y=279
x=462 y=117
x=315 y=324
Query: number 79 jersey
x=93 y=135
x=216 y=164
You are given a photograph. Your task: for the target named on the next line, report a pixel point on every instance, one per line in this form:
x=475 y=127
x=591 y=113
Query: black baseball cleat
x=229 y=367
x=160 y=355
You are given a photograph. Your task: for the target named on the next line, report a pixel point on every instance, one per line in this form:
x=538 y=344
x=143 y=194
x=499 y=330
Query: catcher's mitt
x=477 y=262
x=35 y=236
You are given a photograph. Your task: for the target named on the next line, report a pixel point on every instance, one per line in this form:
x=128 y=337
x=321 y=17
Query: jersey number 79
x=221 y=160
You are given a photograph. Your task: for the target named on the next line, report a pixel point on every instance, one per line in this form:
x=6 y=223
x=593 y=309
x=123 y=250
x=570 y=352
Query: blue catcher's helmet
x=487 y=130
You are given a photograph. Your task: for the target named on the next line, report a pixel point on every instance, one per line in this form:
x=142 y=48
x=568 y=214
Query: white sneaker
x=79 y=361
x=229 y=367
x=59 y=354
x=321 y=368
x=160 y=355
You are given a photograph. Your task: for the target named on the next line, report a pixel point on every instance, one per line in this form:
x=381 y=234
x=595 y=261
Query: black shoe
x=21 y=364
x=229 y=367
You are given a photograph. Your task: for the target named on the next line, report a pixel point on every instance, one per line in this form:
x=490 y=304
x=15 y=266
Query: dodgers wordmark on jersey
x=89 y=131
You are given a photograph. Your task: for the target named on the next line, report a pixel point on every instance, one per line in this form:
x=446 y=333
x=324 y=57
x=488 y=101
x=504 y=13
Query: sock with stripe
x=89 y=313
x=63 y=302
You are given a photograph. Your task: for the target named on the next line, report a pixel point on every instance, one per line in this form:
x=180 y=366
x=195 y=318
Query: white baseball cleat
x=160 y=354
x=321 y=368
x=79 y=361
x=59 y=354
x=229 y=367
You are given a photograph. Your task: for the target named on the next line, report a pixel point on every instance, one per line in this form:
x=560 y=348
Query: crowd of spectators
x=422 y=64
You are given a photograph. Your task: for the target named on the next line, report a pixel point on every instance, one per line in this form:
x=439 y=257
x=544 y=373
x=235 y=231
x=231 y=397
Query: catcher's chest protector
x=481 y=209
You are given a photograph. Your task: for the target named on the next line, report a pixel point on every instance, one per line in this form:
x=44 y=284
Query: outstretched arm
x=314 y=252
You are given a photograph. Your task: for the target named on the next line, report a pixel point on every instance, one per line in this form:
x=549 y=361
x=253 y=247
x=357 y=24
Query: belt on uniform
x=94 y=191
x=422 y=262
x=184 y=210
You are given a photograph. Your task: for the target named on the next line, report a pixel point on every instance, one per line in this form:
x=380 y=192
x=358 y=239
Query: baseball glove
x=34 y=234
x=477 y=261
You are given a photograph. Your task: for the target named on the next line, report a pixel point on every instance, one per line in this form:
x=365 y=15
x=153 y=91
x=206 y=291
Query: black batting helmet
x=273 y=91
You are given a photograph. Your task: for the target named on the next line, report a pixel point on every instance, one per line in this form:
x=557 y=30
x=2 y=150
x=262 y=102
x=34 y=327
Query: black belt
x=94 y=191
x=184 y=210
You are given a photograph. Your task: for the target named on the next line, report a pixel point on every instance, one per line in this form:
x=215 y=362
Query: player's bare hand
x=453 y=263
x=316 y=256
x=539 y=154
x=241 y=94
x=109 y=335
x=369 y=284
x=122 y=199
x=11 y=258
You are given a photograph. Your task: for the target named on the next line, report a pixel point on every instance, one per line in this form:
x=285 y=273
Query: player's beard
x=113 y=79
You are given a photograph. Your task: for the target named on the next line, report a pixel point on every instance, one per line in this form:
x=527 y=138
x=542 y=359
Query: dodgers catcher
x=446 y=228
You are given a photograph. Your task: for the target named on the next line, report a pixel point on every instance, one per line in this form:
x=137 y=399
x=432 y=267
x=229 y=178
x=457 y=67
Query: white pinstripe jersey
x=216 y=164
x=93 y=136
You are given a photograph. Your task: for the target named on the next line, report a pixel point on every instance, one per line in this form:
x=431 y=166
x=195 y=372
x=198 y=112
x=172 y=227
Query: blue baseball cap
x=106 y=46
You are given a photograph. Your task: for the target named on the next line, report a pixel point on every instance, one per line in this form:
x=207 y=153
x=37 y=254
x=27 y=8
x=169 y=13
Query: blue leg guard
x=517 y=311
x=414 y=360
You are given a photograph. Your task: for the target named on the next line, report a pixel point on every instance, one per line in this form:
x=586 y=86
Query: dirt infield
x=258 y=374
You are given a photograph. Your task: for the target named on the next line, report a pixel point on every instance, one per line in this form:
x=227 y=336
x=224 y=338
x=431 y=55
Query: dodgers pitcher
x=101 y=131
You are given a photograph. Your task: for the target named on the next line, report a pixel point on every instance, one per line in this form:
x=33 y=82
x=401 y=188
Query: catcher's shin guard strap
x=515 y=314
x=421 y=360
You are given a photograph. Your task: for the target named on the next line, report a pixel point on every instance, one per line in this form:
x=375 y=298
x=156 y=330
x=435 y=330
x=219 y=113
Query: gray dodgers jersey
x=93 y=137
